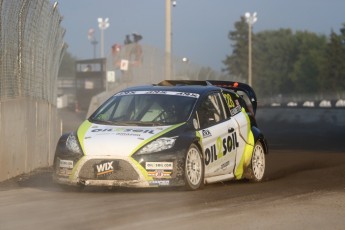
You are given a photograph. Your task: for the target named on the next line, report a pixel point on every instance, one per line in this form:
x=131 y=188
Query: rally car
x=175 y=133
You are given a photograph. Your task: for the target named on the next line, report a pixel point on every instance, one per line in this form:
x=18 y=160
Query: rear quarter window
x=234 y=102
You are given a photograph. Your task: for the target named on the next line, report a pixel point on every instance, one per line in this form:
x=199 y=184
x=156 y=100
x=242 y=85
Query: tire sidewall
x=188 y=184
x=253 y=177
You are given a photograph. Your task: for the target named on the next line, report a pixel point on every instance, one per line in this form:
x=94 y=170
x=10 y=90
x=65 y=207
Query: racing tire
x=256 y=169
x=194 y=169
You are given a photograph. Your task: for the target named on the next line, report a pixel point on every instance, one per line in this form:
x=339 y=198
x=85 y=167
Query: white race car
x=175 y=133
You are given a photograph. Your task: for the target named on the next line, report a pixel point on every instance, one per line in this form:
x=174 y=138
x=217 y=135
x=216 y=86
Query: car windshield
x=146 y=108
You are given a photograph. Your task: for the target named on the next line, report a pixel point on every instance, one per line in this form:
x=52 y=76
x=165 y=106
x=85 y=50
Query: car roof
x=199 y=89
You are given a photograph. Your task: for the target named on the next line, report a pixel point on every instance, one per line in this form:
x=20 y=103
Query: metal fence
x=31 y=46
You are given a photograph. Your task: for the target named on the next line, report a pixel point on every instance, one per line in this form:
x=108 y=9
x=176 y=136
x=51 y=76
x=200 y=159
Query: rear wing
x=235 y=86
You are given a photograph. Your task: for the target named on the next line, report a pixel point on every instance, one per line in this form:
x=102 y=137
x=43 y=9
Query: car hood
x=110 y=140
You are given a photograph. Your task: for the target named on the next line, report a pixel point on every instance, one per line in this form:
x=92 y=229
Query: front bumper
x=145 y=171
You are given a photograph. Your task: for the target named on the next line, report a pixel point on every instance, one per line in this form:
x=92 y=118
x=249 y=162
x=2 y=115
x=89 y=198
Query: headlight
x=72 y=144
x=158 y=145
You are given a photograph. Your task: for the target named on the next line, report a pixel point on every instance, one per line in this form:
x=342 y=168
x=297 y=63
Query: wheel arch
x=259 y=136
x=196 y=141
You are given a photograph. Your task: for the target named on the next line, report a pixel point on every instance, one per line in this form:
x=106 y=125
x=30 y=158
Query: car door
x=218 y=134
x=239 y=115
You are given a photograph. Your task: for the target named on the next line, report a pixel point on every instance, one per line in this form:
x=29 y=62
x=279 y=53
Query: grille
x=99 y=169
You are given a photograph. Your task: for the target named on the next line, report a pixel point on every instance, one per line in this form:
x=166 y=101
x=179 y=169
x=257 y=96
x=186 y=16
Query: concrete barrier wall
x=302 y=115
x=29 y=130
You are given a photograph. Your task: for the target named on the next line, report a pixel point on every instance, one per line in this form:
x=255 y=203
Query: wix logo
x=104 y=168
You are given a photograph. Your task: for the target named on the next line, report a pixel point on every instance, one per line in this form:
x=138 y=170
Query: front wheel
x=194 y=169
x=256 y=169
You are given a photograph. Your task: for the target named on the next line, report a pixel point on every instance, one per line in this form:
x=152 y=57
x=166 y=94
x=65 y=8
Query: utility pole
x=251 y=19
x=103 y=24
x=168 y=39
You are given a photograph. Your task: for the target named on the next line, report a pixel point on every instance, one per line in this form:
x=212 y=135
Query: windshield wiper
x=109 y=122
x=128 y=123
x=152 y=123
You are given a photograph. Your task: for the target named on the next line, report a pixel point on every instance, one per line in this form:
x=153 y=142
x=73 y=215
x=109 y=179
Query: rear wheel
x=256 y=169
x=194 y=169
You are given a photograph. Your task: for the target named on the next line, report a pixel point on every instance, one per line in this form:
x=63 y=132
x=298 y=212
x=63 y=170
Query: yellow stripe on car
x=137 y=164
x=81 y=133
x=248 y=150
x=74 y=175
x=142 y=170
x=156 y=136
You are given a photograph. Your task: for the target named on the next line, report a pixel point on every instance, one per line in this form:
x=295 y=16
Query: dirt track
x=304 y=189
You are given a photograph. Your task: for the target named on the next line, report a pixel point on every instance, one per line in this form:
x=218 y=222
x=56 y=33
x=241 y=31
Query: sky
x=199 y=27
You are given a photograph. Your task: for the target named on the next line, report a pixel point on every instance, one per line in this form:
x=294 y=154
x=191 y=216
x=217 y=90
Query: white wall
x=29 y=130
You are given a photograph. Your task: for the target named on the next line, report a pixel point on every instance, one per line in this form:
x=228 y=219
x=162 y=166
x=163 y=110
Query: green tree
x=307 y=69
x=274 y=53
x=286 y=62
x=333 y=78
x=237 y=63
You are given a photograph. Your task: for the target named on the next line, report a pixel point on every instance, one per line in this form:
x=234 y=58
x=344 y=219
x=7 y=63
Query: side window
x=246 y=102
x=211 y=111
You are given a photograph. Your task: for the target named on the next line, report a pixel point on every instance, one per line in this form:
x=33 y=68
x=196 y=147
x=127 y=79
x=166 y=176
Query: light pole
x=102 y=25
x=250 y=19
x=168 y=37
x=93 y=40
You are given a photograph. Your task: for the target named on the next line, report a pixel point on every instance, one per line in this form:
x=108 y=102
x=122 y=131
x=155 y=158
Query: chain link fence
x=31 y=46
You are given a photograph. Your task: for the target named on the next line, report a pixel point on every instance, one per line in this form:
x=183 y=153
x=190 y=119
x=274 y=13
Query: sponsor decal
x=221 y=148
x=159 y=165
x=160 y=174
x=185 y=94
x=128 y=134
x=159 y=182
x=224 y=165
x=125 y=131
x=235 y=110
x=206 y=133
x=66 y=164
x=104 y=168
x=65 y=172
x=126 y=93
x=156 y=92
